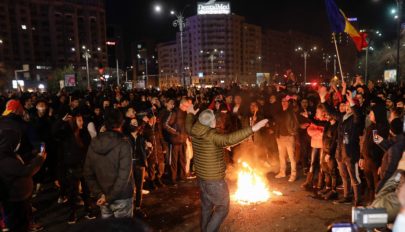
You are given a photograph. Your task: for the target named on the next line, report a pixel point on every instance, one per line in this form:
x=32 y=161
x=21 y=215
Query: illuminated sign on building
x=213 y=7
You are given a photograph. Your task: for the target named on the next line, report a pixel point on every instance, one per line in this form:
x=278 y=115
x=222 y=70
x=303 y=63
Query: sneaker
x=152 y=186
x=280 y=175
x=159 y=183
x=306 y=186
x=62 y=200
x=145 y=192
x=344 y=200
x=324 y=191
x=331 y=195
x=90 y=216
x=293 y=178
x=72 y=219
x=191 y=177
x=35 y=227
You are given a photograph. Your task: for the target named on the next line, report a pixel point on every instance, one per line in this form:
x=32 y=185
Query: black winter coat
x=108 y=166
x=15 y=176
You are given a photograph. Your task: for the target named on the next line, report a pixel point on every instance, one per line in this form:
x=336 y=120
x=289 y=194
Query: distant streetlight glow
x=98 y=49
x=83 y=47
x=73 y=49
x=24 y=27
x=158 y=8
x=172 y=12
x=1 y=41
x=393 y=11
x=396 y=17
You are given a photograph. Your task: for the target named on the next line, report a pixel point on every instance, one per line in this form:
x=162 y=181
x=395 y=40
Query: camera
x=363 y=218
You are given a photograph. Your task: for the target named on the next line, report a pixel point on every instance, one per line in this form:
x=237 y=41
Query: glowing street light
x=158 y=8
x=305 y=54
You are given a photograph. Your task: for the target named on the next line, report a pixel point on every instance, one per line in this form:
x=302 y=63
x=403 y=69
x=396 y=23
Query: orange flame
x=251 y=188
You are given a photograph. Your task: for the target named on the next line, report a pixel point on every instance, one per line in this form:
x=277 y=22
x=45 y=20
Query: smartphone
x=354 y=93
x=42 y=148
x=375 y=135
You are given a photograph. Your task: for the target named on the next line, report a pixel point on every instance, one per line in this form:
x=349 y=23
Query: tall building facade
x=216 y=48
x=224 y=47
x=47 y=34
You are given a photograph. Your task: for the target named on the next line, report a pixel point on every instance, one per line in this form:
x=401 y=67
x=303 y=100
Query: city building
x=49 y=34
x=220 y=48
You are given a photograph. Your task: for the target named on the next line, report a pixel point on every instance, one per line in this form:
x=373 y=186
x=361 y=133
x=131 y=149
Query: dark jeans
x=372 y=178
x=178 y=161
x=214 y=204
x=329 y=169
x=73 y=181
x=18 y=214
x=139 y=175
x=315 y=166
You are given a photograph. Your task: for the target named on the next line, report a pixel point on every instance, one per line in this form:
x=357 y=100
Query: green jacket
x=387 y=198
x=208 y=148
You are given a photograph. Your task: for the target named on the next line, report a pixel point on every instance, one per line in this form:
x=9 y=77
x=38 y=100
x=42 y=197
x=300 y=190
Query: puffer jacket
x=387 y=198
x=208 y=147
x=108 y=167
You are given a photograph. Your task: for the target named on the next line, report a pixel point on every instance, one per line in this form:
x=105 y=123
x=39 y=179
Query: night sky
x=140 y=22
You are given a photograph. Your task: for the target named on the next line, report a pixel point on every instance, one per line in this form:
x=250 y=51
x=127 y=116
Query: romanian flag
x=340 y=23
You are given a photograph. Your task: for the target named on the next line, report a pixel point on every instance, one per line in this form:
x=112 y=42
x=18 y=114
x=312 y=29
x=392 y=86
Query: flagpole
x=337 y=54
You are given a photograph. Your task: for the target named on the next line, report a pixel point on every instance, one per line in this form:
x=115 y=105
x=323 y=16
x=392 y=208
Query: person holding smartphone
x=16 y=180
x=371 y=155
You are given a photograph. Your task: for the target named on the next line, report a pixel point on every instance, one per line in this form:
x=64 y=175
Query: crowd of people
x=105 y=147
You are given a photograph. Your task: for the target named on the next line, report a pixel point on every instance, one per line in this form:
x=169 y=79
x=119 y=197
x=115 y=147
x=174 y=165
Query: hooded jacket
x=15 y=176
x=208 y=147
x=108 y=167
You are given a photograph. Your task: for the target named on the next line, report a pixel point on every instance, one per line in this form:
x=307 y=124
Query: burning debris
x=252 y=187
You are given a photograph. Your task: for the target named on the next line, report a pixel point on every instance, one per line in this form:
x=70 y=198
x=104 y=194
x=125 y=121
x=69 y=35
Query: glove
x=259 y=125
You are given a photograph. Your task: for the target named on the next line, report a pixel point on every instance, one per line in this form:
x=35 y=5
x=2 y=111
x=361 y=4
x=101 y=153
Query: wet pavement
x=178 y=209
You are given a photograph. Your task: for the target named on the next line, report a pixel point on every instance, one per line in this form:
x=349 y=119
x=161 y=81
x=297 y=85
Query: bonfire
x=252 y=188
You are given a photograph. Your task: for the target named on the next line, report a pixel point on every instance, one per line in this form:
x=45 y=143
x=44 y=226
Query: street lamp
x=398 y=16
x=179 y=22
x=305 y=54
x=87 y=56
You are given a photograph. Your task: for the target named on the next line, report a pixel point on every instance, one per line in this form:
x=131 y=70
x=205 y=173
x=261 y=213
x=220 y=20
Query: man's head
x=389 y=103
x=113 y=120
x=400 y=103
x=360 y=98
x=170 y=105
x=184 y=104
x=41 y=106
x=254 y=107
x=238 y=100
x=207 y=118
x=273 y=99
x=304 y=103
x=342 y=107
x=229 y=99
x=130 y=113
